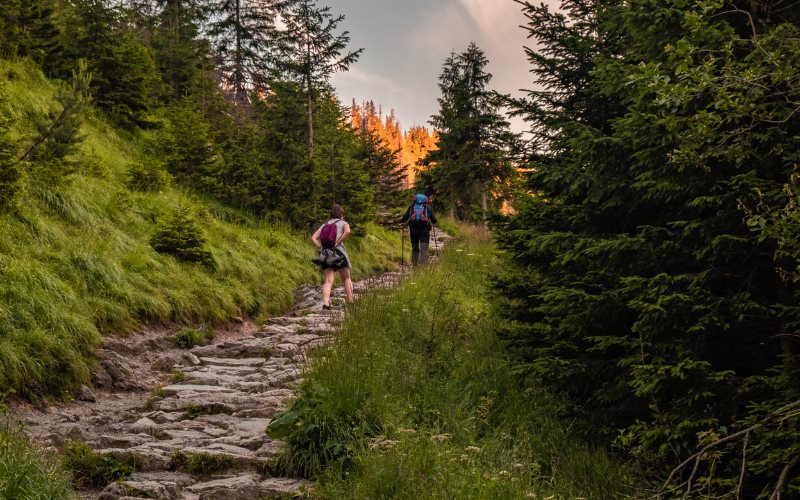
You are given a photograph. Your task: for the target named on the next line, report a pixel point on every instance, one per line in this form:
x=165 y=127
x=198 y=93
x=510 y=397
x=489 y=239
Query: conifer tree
x=10 y=169
x=311 y=51
x=125 y=80
x=59 y=133
x=187 y=149
x=181 y=55
x=243 y=31
x=634 y=283
x=474 y=141
x=28 y=28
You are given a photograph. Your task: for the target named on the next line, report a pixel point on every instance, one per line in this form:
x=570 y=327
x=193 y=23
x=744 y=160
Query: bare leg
x=330 y=275
x=348 y=284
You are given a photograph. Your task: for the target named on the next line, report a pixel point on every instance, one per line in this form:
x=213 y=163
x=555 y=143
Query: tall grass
x=28 y=472
x=75 y=260
x=417 y=401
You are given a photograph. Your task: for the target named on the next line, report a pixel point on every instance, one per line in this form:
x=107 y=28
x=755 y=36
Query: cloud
x=358 y=76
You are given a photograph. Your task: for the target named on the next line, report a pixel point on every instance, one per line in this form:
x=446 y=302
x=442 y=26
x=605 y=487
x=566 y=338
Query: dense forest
x=652 y=272
x=240 y=107
x=647 y=222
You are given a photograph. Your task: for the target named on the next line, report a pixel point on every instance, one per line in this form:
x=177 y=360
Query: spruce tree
x=643 y=279
x=311 y=51
x=59 y=132
x=474 y=148
x=243 y=32
x=181 y=55
x=10 y=168
x=28 y=28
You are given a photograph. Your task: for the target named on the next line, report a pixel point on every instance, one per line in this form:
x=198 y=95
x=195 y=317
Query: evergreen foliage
x=125 y=80
x=180 y=235
x=10 y=168
x=147 y=175
x=187 y=149
x=182 y=57
x=243 y=32
x=59 y=134
x=473 y=152
x=305 y=188
x=309 y=51
x=28 y=28
x=644 y=277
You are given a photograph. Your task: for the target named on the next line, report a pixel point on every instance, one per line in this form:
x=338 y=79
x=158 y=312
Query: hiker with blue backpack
x=420 y=220
x=329 y=238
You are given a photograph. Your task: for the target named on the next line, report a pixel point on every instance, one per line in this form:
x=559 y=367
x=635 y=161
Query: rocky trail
x=193 y=420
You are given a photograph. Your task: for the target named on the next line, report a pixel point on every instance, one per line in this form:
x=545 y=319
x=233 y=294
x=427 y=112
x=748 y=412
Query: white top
x=340 y=227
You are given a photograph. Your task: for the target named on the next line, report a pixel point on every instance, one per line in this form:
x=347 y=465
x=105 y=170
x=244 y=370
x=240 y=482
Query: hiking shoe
x=326 y=308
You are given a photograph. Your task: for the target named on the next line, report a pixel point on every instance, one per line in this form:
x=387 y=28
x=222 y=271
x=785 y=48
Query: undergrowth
x=417 y=401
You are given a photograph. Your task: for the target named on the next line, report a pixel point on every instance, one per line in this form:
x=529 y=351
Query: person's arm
x=345 y=234
x=407 y=215
x=315 y=238
x=431 y=215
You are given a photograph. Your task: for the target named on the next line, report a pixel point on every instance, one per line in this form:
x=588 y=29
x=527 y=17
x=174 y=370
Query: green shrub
x=190 y=337
x=95 y=470
x=147 y=176
x=178 y=234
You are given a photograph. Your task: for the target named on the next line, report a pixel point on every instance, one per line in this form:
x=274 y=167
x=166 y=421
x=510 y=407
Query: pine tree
x=311 y=51
x=28 y=29
x=10 y=168
x=181 y=55
x=59 y=133
x=125 y=82
x=300 y=190
x=243 y=31
x=187 y=149
x=634 y=283
x=475 y=144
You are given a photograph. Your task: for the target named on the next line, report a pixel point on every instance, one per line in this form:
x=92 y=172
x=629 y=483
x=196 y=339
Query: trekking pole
x=435 y=241
x=402 y=248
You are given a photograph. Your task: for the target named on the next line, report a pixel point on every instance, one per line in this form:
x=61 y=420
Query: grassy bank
x=416 y=401
x=28 y=472
x=76 y=263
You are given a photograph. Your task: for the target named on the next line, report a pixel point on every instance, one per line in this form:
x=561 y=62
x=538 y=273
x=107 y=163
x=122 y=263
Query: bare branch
x=776 y=495
x=744 y=466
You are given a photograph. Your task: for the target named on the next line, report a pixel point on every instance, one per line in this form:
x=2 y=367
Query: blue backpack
x=420 y=213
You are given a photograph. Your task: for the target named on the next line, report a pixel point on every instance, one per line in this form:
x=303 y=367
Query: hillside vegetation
x=76 y=261
x=417 y=400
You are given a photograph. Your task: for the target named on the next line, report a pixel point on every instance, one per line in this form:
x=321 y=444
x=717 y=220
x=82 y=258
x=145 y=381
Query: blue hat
x=420 y=198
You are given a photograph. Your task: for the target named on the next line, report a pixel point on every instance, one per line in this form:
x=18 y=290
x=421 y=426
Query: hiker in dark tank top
x=342 y=232
x=420 y=219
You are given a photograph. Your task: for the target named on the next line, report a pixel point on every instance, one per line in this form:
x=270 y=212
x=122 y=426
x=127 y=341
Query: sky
x=406 y=42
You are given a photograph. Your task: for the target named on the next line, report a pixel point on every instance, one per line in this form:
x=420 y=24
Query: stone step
x=181 y=486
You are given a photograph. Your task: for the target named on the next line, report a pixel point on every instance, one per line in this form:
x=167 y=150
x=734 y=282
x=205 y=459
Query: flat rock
x=243 y=487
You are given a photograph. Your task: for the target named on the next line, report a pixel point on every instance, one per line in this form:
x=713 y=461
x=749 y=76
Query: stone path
x=200 y=433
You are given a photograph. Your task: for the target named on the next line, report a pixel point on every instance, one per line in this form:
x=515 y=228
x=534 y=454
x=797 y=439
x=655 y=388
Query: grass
x=76 y=263
x=28 y=472
x=417 y=401
x=96 y=470
x=189 y=337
